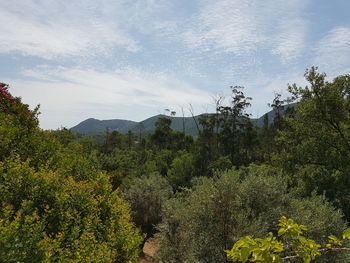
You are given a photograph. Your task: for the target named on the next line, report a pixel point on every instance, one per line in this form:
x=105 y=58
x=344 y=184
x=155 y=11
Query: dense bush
x=181 y=171
x=200 y=224
x=61 y=219
x=55 y=205
x=147 y=195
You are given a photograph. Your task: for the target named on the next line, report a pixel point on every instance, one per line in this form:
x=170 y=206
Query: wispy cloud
x=121 y=92
x=290 y=42
x=223 y=25
x=332 y=52
x=246 y=27
x=52 y=29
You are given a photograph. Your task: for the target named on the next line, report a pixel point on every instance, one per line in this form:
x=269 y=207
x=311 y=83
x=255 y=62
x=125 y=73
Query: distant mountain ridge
x=94 y=126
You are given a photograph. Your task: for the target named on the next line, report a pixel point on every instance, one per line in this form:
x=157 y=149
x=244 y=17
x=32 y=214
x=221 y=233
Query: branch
x=322 y=251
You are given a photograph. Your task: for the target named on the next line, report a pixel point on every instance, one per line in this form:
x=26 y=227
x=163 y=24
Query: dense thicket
x=56 y=205
x=200 y=224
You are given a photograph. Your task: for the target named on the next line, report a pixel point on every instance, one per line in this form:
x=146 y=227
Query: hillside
x=94 y=126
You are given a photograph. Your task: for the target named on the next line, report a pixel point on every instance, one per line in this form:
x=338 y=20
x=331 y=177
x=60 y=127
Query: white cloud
x=290 y=42
x=223 y=25
x=83 y=93
x=51 y=29
x=54 y=29
x=332 y=52
x=246 y=27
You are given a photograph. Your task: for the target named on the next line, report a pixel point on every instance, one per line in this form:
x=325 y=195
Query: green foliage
x=55 y=204
x=233 y=122
x=316 y=141
x=307 y=249
x=289 y=228
x=333 y=241
x=161 y=137
x=181 y=171
x=21 y=237
x=292 y=245
x=256 y=250
x=114 y=141
x=17 y=125
x=221 y=164
x=346 y=234
x=146 y=196
x=202 y=222
x=163 y=160
x=59 y=217
x=121 y=164
x=65 y=136
x=72 y=161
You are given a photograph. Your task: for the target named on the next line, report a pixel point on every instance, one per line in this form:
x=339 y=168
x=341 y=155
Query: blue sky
x=131 y=59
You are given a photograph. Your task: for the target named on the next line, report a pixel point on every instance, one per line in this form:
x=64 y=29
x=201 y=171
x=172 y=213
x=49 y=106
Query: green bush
x=48 y=217
x=202 y=222
x=147 y=195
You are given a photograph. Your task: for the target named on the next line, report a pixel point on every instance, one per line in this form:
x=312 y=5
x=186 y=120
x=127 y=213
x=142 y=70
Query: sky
x=132 y=59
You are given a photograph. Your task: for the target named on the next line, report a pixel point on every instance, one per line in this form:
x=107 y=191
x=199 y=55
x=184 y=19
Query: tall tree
x=162 y=134
x=233 y=120
x=278 y=107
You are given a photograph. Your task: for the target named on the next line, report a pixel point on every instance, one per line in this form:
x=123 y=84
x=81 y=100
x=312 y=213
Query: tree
x=55 y=204
x=267 y=134
x=233 y=120
x=316 y=142
x=18 y=123
x=223 y=163
x=207 y=143
x=182 y=171
x=114 y=141
x=278 y=107
x=161 y=137
x=146 y=196
x=65 y=136
x=130 y=139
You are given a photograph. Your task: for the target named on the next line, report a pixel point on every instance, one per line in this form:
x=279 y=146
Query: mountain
x=271 y=115
x=93 y=126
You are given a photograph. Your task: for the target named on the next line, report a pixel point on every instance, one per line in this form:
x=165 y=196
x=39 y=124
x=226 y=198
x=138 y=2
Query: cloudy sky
x=131 y=59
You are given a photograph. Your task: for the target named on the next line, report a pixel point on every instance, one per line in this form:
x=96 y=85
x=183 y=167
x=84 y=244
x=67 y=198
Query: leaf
x=245 y=253
x=334 y=241
x=281 y=231
x=346 y=233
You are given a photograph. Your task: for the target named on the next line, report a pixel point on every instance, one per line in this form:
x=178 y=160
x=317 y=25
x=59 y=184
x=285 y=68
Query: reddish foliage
x=4 y=93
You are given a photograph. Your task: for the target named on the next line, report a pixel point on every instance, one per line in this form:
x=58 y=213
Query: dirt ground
x=149 y=249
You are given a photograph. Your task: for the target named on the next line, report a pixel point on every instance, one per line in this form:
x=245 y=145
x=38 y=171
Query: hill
x=93 y=126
